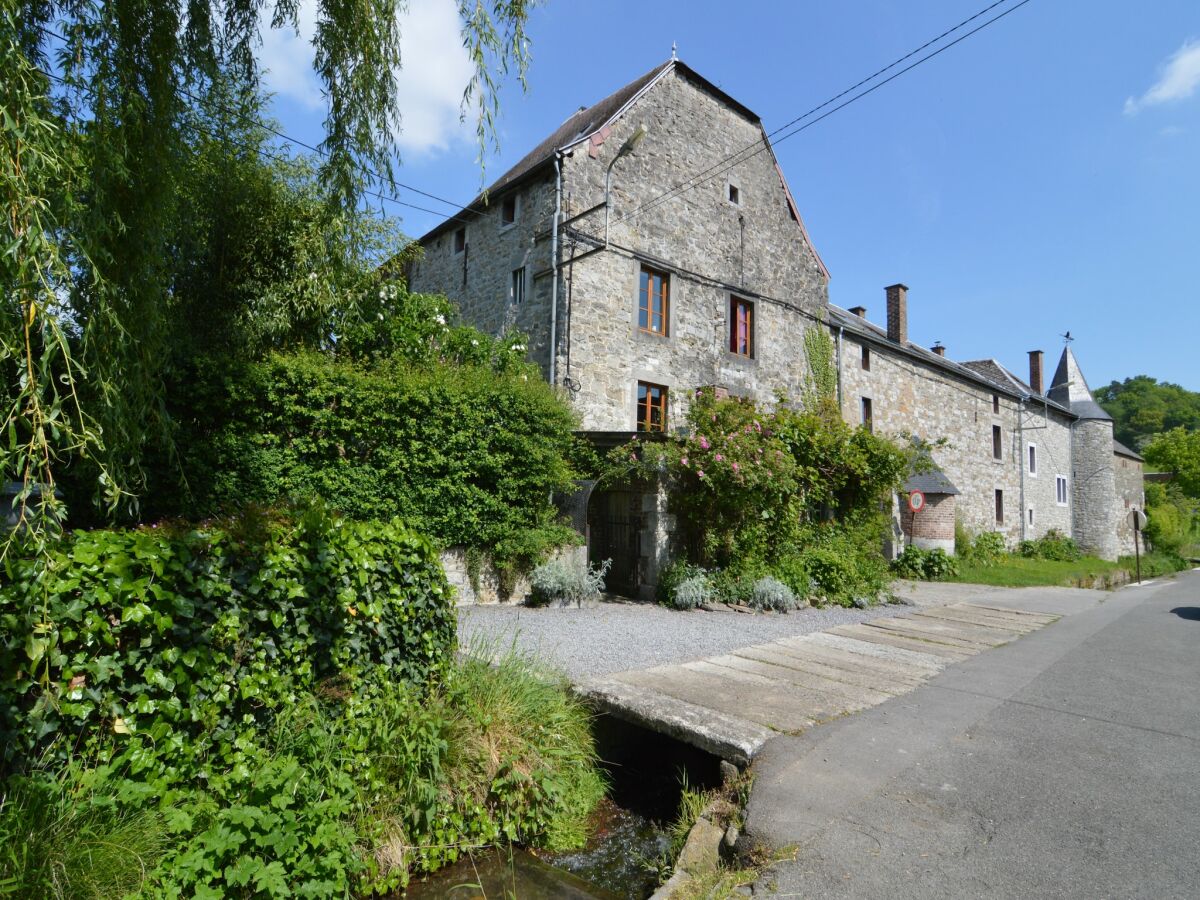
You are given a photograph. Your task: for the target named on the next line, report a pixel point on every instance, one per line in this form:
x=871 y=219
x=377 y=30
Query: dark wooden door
x=614 y=523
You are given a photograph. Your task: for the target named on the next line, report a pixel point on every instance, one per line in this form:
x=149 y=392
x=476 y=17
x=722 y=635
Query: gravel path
x=617 y=636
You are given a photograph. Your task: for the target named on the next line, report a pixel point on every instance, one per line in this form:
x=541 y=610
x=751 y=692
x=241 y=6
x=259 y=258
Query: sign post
x=916 y=502
x=1139 y=522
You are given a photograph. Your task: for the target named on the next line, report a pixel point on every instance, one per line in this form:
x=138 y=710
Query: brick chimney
x=1035 y=371
x=897 y=313
x=860 y=311
x=938 y=349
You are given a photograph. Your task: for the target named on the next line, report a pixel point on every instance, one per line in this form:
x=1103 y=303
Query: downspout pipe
x=554 y=267
x=841 y=331
x=1021 y=463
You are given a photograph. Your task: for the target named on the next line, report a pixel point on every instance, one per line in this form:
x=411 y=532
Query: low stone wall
x=454 y=561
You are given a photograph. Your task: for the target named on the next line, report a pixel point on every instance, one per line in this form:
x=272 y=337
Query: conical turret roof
x=1070 y=388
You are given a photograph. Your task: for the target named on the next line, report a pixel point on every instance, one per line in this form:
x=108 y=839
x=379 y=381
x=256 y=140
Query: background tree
x=1142 y=407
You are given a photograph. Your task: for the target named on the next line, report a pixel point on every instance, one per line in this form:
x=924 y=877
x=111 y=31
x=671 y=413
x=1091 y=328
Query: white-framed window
x=1032 y=455
x=517 y=290
x=1060 y=489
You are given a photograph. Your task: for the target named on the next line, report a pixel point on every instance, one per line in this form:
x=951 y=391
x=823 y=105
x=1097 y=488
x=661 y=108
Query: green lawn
x=1017 y=571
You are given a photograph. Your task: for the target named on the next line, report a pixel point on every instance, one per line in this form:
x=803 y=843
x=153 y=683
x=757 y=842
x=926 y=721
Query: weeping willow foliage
x=104 y=107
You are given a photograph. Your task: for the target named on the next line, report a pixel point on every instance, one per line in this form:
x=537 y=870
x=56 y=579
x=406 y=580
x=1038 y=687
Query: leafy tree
x=1178 y=451
x=1142 y=407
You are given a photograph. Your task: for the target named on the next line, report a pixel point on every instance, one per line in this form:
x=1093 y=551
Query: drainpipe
x=1021 y=451
x=841 y=331
x=554 y=267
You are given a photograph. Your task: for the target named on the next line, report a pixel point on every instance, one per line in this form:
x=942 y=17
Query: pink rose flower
x=703 y=442
x=684 y=461
x=718 y=457
x=699 y=473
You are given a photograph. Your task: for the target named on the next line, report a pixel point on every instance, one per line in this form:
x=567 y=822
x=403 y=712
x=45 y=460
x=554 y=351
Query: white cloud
x=430 y=83
x=1179 y=79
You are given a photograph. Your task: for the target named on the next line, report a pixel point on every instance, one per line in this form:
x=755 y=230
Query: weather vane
x=1066 y=337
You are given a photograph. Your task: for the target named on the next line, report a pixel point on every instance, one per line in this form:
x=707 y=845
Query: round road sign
x=916 y=501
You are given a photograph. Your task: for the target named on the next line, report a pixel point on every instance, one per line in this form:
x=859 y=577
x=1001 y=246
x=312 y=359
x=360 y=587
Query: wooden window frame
x=999 y=506
x=646 y=299
x=647 y=406
x=738 y=306
x=1060 y=490
x=867 y=411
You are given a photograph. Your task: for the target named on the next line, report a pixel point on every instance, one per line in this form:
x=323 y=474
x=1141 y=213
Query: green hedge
x=467 y=454
x=188 y=641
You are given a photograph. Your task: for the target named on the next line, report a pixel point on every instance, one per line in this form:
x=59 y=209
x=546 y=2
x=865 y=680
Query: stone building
x=650 y=246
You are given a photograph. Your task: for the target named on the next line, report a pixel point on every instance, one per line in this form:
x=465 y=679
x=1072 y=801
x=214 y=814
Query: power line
x=759 y=146
x=252 y=120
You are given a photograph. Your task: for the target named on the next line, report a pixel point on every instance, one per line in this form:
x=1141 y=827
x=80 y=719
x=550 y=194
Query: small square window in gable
x=734 y=194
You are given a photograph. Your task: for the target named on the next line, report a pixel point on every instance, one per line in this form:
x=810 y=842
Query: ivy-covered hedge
x=188 y=641
x=468 y=453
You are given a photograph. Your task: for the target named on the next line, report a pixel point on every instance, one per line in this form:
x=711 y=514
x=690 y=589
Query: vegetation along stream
x=627 y=853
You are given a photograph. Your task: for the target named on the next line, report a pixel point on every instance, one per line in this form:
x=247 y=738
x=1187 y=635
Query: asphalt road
x=1066 y=764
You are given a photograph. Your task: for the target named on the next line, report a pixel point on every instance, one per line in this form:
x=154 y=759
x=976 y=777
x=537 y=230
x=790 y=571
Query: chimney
x=860 y=311
x=897 y=313
x=1035 y=371
x=938 y=349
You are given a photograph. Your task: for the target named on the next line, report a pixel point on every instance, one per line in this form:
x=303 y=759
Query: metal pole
x=1136 y=548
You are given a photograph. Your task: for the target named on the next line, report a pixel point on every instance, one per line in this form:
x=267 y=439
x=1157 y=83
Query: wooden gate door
x=614 y=523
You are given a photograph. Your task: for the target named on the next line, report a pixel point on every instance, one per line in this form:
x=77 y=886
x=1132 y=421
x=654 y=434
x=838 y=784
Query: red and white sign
x=916 y=501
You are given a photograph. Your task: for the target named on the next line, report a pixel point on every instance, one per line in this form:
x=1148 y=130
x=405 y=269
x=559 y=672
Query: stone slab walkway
x=732 y=703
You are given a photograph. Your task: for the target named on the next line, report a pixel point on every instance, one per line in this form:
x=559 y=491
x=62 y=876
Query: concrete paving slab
x=982 y=618
x=842 y=665
x=941 y=630
x=727 y=696
x=892 y=639
x=781 y=669
x=729 y=737
x=912 y=660
x=808 y=666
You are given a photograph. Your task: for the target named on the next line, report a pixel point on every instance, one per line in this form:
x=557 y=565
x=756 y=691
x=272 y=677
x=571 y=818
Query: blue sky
x=1043 y=175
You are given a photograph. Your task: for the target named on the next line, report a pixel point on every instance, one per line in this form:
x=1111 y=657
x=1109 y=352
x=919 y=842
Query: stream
x=625 y=853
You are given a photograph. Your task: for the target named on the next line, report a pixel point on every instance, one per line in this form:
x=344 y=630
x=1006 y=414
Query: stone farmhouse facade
x=638 y=283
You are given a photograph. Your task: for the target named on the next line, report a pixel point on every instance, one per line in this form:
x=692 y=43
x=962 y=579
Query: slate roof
x=1069 y=388
x=987 y=373
x=1121 y=450
x=933 y=482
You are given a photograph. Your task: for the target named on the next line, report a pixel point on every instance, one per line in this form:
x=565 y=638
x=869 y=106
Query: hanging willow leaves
x=100 y=107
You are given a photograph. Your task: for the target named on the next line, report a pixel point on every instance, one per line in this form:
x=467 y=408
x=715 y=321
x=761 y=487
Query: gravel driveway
x=617 y=636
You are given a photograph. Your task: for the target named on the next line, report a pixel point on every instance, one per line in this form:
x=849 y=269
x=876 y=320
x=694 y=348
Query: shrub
x=1052 y=545
x=987 y=549
x=692 y=593
x=185 y=641
x=772 y=594
x=926 y=565
x=562 y=582
x=791 y=570
x=469 y=453
x=672 y=576
x=845 y=563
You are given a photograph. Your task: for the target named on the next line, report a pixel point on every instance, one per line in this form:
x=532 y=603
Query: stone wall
x=911 y=396
x=454 y=562
x=1094 y=489
x=1130 y=496
x=479 y=278
x=711 y=250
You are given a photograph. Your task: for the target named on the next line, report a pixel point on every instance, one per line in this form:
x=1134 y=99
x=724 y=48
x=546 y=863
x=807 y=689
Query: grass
x=61 y=837
x=1019 y=571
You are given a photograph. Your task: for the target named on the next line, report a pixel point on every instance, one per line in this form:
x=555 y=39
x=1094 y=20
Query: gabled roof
x=1070 y=389
x=589 y=121
x=987 y=373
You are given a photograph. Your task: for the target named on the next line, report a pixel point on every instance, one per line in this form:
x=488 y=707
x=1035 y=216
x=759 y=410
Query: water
x=625 y=853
